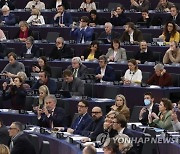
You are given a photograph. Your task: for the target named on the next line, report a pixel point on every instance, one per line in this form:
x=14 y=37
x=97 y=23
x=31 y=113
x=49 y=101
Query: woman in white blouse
x=88 y=5
x=36 y=18
x=2 y=36
x=133 y=74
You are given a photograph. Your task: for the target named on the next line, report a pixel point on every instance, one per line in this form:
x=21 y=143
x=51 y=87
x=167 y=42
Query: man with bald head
x=96 y=126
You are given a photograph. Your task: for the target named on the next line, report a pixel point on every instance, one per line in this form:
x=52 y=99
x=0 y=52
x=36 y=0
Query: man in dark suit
x=94 y=128
x=104 y=72
x=108 y=33
x=83 y=33
x=20 y=144
x=61 y=50
x=7 y=18
x=62 y=18
x=131 y=34
x=80 y=123
x=150 y=107
x=29 y=50
x=174 y=16
x=45 y=80
x=72 y=84
x=4 y=136
x=51 y=116
x=79 y=70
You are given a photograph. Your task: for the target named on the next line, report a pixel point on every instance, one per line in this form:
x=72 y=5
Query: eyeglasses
x=95 y=112
x=81 y=106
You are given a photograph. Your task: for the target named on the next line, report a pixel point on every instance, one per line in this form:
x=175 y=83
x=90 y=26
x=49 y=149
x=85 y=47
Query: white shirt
x=121 y=131
x=58 y=2
x=114 y=54
x=131 y=37
x=29 y=50
x=102 y=73
x=36 y=20
x=83 y=41
x=39 y=5
x=133 y=76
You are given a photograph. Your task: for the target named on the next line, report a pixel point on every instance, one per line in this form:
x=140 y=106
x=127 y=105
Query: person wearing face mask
x=149 y=107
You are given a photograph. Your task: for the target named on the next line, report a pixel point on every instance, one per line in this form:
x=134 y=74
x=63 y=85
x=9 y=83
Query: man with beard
x=45 y=80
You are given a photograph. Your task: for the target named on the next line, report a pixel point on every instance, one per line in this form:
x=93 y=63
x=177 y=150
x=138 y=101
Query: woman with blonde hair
x=120 y=106
x=4 y=149
x=23 y=76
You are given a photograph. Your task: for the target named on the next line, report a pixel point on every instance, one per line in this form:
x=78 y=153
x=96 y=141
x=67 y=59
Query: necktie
x=75 y=73
x=174 y=18
x=51 y=121
x=11 y=145
x=82 y=36
x=79 y=121
x=61 y=20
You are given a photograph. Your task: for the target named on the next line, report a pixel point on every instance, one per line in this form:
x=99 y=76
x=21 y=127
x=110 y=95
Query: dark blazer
x=177 y=21
x=128 y=132
x=94 y=128
x=64 y=52
x=29 y=33
x=86 y=53
x=144 y=119
x=82 y=71
x=119 y=21
x=109 y=73
x=77 y=87
x=78 y=128
x=67 y=19
x=4 y=135
x=112 y=36
x=22 y=145
x=145 y=5
x=145 y=56
x=34 y=51
x=58 y=118
x=51 y=84
x=137 y=36
x=77 y=33
x=9 y=20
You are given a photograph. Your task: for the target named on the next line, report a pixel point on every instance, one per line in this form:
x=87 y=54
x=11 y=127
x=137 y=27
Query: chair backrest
x=118 y=75
x=56 y=72
x=157 y=56
x=130 y=54
x=135 y=114
x=28 y=103
x=45 y=148
x=146 y=76
x=8 y=50
x=91 y=70
x=112 y=6
x=110 y=92
x=147 y=37
x=175 y=79
x=51 y=36
x=36 y=35
x=35 y=142
x=6 y=34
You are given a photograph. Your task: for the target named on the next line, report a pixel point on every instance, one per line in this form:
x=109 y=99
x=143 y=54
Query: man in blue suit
x=83 y=33
x=104 y=72
x=62 y=18
x=81 y=122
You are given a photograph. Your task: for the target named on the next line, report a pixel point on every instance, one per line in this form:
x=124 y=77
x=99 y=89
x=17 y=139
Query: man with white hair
x=108 y=33
x=7 y=18
x=78 y=69
x=35 y=4
x=160 y=77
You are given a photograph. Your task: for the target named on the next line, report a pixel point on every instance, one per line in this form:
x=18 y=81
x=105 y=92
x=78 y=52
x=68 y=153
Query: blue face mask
x=147 y=102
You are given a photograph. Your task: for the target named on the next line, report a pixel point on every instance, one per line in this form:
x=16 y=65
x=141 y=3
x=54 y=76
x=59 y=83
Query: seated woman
x=94 y=19
x=2 y=35
x=163 y=119
x=92 y=52
x=41 y=66
x=170 y=33
x=23 y=76
x=15 y=92
x=116 y=53
x=36 y=19
x=88 y=5
x=133 y=74
x=43 y=92
x=120 y=106
x=24 y=31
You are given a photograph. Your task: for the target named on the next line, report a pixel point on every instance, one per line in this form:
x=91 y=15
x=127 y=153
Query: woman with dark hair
x=94 y=19
x=118 y=18
x=163 y=119
x=133 y=74
x=15 y=92
x=116 y=53
x=41 y=66
x=92 y=52
x=170 y=33
x=88 y=5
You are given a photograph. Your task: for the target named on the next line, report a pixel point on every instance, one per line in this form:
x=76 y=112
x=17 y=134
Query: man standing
x=20 y=144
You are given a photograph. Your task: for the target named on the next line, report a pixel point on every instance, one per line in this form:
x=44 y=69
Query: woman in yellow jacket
x=170 y=33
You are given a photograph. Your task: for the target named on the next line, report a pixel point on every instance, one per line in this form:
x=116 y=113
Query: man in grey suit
x=78 y=69
x=4 y=135
x=72 y=84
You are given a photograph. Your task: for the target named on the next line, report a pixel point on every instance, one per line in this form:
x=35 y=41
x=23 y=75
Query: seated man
x=29 y=50
x=35 y=4
x=83 y=119
x=20 y=142
x=104 y=72
x=139 y=5
x=61 y=50
x=144 y=54
x=51 y=116
x=83 y=33
x=7 y=18
x=62 y=18
x=79 y=70
x=150 y=107
x=108 y=33
x=131 y=34
x=164 y=5
x=174 y=16
x=13 y=67
x=72 y=84
x=172 y=55
x=45 y=80
x=160 y=77
x=94 y=128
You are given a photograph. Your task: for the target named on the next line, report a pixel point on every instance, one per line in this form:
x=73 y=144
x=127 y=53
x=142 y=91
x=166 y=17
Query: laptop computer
x=65 y=93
